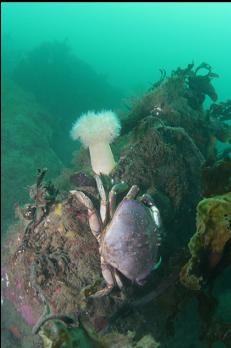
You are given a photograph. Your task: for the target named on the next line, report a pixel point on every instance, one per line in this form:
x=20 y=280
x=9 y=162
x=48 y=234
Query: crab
x=128 y=235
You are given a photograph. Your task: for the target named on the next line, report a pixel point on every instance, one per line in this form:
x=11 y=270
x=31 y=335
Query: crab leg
x=103 y=199
x=132 y=193
x=107 y=272
x=118 y=279
x=156 y=217
x=94 y=221
x=147 y=200
x=116 y=189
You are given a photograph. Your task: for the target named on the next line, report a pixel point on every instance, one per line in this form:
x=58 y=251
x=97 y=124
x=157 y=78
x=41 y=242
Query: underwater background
x=164 y=69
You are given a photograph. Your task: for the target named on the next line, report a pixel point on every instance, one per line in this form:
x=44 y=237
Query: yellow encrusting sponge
x=97 y=131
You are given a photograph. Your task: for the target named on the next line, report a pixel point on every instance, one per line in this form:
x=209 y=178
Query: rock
x=26 y=130
x=208 y=243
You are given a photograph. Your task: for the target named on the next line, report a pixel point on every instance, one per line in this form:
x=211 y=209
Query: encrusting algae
x=207 y=244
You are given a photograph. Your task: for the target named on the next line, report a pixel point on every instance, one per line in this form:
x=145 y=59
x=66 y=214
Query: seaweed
x=216 y=177
x=44 y=195
x=207 y=245
x=221 y=111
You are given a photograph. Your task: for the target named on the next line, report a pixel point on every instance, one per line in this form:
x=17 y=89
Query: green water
x=129 y=42
x=60 y=60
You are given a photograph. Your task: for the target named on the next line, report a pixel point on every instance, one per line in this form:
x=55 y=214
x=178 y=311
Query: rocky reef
x=27 y=130
x=179 y=103
x=208 y=243
x=167 y=148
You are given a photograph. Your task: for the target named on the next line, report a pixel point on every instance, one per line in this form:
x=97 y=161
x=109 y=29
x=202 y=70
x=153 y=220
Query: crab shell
x=129 y=242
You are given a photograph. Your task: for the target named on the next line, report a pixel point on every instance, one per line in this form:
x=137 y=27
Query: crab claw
x=104 y=292
x=157 y=265
x=94 y=220
x=72 y=192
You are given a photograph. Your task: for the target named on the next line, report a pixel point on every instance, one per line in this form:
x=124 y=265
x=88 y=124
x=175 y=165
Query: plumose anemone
x=97 y=131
